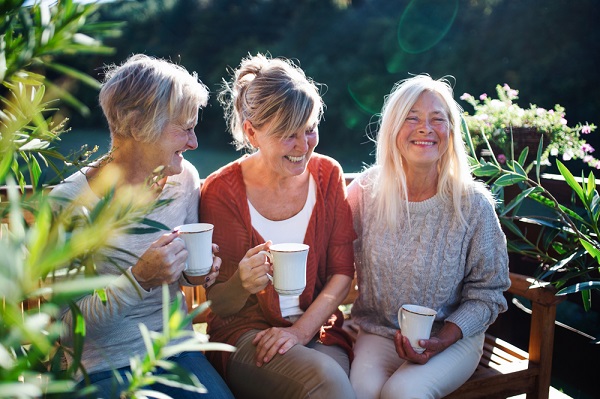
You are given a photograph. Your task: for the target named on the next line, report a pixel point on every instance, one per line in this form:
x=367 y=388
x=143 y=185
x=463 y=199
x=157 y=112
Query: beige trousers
x=311 y=371
x=379 y=373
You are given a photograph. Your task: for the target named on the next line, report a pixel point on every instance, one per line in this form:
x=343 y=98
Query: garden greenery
x=47 y=255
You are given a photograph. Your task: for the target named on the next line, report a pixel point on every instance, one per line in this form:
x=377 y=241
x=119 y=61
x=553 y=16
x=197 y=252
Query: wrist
x=140 y=280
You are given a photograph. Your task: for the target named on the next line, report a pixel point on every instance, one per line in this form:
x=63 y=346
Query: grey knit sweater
x=459 y=271
x=113 y=332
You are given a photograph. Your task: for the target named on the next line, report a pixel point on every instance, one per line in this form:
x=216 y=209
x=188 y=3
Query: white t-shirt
x=289 y=230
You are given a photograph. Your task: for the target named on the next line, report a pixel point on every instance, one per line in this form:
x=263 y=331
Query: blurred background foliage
x=358 y=49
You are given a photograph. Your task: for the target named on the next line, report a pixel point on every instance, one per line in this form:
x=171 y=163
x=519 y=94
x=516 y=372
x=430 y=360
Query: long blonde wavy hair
x=455 y=181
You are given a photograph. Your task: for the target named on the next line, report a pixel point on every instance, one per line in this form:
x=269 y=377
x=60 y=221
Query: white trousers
x=378 y=372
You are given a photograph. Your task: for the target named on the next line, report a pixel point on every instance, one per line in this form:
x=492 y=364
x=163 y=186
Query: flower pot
x=522 y=137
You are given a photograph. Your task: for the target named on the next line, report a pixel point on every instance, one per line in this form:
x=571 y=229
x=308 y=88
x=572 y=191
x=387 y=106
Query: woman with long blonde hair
x=427 y=235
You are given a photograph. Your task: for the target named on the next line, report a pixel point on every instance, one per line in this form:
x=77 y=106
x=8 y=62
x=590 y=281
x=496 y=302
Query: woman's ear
x=135 y=120
x=250 y=133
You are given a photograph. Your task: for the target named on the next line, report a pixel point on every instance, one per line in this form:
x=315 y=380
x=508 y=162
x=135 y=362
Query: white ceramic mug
x=415 y=323
x=289 y=267
x=198 y=242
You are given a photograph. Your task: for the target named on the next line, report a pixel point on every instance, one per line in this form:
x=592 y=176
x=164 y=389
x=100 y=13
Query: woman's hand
x=253 y=269
x=448 y=335
x=163 y=262
x=210 y=278
x=273 y=341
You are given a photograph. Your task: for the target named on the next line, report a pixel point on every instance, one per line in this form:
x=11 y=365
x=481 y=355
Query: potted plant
x=509 y=128
x=563 y=239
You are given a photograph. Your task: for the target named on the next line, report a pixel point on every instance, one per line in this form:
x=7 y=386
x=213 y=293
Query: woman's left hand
x=406 y=351
x=275 y=340
x=448 y=335
x=210 y=278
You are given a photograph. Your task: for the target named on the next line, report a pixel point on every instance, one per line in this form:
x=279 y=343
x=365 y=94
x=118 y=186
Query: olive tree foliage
x=47 y=255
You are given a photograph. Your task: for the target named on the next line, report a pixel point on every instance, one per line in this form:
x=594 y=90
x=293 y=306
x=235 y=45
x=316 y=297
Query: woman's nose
x=302 y=142
x=425 y=126
x=192 y=140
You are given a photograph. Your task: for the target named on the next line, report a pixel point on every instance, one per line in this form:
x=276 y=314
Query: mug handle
x=400 y=318
x=270 y=257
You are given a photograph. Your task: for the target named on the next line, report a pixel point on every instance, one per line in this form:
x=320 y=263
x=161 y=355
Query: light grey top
x=112 y=328
x=460 y=271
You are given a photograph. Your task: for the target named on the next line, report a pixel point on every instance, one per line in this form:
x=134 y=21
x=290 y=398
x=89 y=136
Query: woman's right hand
x=163 y=262
x=253 y=269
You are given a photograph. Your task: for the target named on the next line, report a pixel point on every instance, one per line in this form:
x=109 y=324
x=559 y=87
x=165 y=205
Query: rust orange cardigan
x=329 y=234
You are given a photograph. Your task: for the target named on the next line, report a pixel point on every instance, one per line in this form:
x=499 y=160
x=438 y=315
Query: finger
x=177 y=245
x=258 y=337
x=274 y=349
x=260 y=247
x=215 y=248
x=165 y=239
x=289 y=344
x=216 y=266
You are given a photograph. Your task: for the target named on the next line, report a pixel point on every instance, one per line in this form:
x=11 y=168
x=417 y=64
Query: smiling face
x=286 y=156
x=424 y=135
x=174 y=141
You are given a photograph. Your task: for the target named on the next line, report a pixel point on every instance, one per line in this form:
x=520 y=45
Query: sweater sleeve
x=486 y=275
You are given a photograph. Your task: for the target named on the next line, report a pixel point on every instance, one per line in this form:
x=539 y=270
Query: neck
x=126 y=156
x=421 y=184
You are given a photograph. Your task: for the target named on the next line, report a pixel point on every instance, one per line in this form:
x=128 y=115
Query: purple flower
x=483 y=96
x=587 y=148
x=502 y=158
x=586 y=129
x=465 y=96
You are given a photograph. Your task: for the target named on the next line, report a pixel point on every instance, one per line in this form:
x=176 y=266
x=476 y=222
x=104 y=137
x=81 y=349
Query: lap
x=303 y=371
x=391 y=377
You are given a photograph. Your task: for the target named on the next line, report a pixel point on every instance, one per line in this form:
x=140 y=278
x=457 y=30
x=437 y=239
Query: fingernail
x=205 y=285
x=207 y=278
x=217 y=268
x=218 y=249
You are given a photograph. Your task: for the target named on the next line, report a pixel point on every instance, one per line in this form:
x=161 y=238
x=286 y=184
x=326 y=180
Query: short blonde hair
x=142 y=95
x=455 y=179
x=269 y=90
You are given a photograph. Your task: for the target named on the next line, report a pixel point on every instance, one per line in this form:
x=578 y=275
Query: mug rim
x=422 y=310
x=200 y=228
x=301 y=247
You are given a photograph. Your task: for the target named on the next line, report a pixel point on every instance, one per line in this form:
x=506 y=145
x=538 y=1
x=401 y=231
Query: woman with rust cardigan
x=281 y=192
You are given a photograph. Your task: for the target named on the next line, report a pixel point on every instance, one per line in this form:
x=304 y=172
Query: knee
x=328 y=380
x=405 y=390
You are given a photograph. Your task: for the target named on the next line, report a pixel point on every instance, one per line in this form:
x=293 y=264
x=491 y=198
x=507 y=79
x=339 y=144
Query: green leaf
x=570 y=179
x=153 y=223
x=519 y=199
x=486 y=169
x=591 y=187
x=593 y=251
x=74 y=73
x=523 y=156
x=518 y=168
x=509 y=179
x=587 y=285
